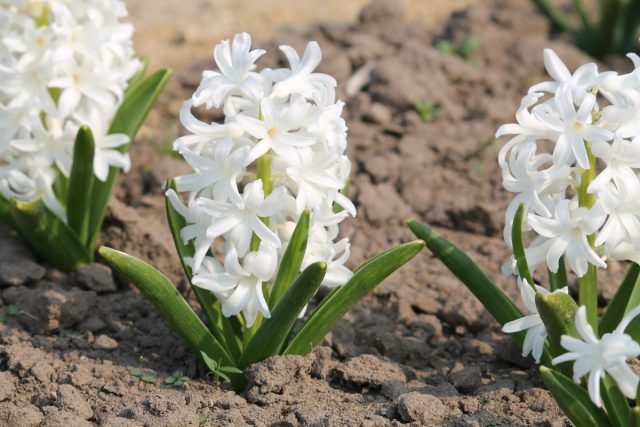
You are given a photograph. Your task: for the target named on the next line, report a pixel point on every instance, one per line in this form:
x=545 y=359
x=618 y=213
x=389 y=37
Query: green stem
x=588 y=294
x=264 y=173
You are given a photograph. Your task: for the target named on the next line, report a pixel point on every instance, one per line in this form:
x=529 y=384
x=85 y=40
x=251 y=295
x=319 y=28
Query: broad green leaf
x=272 y=334
x=615 y=402
x=291 y=260
x=339 y=302
x=220 y=326
x=128 y=119
x=48 y=235
x=518 y=246
x=573 y=400
x=173 y=308
x=557 y=311
x=494 y=300
x=626 y=298
x=80 y=185
x=138 y=103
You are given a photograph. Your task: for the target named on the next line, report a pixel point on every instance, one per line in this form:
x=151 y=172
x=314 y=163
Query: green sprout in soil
x=463 y=50
x=177 y=379
x=144 y=375
x=12 y=310
x=202 y=420
x=428 y=110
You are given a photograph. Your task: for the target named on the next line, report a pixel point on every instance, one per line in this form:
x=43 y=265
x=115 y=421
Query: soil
x=87 y=349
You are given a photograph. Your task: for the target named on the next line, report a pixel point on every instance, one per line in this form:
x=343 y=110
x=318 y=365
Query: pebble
x=423 y=408
x=95 y=277
x=103 y=342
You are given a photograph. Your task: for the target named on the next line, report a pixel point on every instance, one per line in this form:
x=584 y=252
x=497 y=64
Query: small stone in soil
x=95 y=277
x=424 y=408
x=467 y=379
x=103 y=342
x=24 y=415
x=393 y=389
x=19 y=271
x=7 y=385
x=71 y=399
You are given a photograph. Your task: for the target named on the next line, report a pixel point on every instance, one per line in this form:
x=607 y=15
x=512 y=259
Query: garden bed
x=86 y=349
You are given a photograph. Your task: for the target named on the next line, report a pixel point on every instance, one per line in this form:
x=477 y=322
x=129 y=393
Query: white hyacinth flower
x=597 y=357
x=573 y=161
x=280 y=150
x=63 y=64
x=536 y=331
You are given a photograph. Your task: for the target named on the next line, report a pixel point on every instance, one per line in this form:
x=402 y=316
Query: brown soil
x=419 y=351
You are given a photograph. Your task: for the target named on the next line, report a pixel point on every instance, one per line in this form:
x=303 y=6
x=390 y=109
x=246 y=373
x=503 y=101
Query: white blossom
x=280 y=150
x=597 y=357
x=564 y=127
x=63 y=64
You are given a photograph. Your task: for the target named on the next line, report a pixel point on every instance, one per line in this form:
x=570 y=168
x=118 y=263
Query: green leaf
x=80 y=185
x=494 y=300
x=128 y=119
x=5 y=212
x=13 y=310
x=634 y=418
x=615 y=402
x=149 y=378
x=221 y=327
x=158 y=290
x=291 y=260
x=339 y=302
x=48 y=235
x=626 y=298
x=573 y=400
x=135 y=372
x=557 y=311
x=138 y=103
x=272 y=334
x=518 y=246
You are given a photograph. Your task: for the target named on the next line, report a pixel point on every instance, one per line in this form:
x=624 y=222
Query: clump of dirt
x=86 y=349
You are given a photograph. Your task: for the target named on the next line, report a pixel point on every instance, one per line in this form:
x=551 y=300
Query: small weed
x=177 y=379
x=465 y=50
x=146 y=376
x=12 y=310
x=483 y=145
x=483 y=400
x=218 y=372
x=67 y=333
x=468 y=46
x=202 y=420
x=428 y=110
x=3 y=318
x=492 y=422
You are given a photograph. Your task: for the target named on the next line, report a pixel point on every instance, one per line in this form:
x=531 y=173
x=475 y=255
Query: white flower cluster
x=63 y=64
x=573 y=162
x=279 y=151
x=566 y=129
